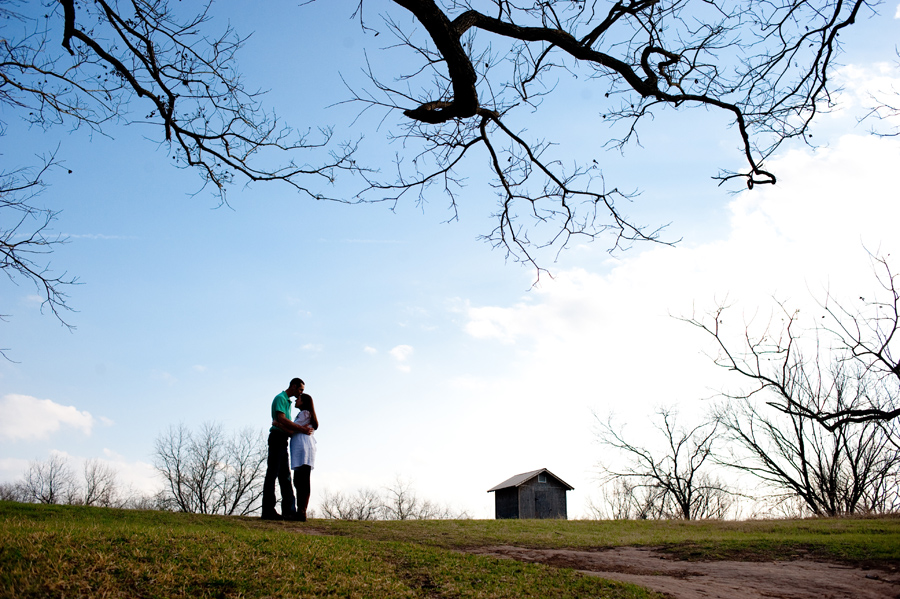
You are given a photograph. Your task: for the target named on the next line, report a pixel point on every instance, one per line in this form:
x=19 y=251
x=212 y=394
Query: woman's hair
x=306 y=403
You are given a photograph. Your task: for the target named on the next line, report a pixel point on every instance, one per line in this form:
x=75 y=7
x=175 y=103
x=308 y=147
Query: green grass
x=66 y=551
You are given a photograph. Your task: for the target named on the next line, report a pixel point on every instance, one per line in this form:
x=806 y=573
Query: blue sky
x=428 y=355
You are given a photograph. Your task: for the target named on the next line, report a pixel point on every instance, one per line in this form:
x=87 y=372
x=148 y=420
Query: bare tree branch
x=675 y=477
x=817 y=421
x=26 y=240
x=49 y=481
x=100 y=484
x=849 y=468
x=94 y=64
x=861 y=340
x=208 y=472
x=765 y=65
x=482 y=70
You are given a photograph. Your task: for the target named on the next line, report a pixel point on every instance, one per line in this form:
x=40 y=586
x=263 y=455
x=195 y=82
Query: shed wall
x=542 y=500
x=506 y=503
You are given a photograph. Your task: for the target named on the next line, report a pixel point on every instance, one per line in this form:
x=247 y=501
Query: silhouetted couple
x=291 y=447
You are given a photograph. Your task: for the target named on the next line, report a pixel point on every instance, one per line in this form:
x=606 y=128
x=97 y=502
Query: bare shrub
x=49 y=481
x=100 y=484
x=12 y=492
x=672 y=480
x=208 y=472
x=397 y=501
x=364 y=504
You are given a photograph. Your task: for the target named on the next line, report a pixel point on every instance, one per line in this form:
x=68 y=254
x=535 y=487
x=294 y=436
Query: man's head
x=295 y=388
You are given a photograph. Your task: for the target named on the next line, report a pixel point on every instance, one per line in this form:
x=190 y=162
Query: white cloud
x=112 y=455
x=607 y=340
x=401 y=355
x=199 y=368
x=26 y=417
x=897 y=12
x=792 y=239
x=132 y=476
x=11 y=469
x=866 y=88
x=370 y=350
x=490 y=322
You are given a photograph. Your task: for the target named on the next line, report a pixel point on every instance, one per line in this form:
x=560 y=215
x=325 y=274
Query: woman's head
x=304 y=402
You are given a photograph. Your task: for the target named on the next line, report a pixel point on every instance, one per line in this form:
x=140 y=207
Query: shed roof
x=523 y=478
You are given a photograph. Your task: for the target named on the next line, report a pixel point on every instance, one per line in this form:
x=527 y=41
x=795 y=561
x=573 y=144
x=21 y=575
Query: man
x=278 y=461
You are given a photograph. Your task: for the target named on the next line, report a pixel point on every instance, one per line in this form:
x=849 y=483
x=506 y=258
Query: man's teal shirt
x=281 y=403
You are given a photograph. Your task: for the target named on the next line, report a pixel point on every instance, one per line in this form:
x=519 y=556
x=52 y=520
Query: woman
x=303 y=451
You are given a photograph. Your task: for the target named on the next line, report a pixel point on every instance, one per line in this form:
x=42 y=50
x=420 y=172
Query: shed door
x=543 y=504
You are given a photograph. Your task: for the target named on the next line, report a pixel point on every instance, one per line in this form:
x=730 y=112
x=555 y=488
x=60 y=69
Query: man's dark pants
x=278 y=466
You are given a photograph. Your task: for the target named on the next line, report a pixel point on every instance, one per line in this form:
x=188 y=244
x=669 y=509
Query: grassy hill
x=69 y=551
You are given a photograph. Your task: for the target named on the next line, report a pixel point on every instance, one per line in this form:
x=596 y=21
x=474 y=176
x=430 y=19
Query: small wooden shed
x=535 y=494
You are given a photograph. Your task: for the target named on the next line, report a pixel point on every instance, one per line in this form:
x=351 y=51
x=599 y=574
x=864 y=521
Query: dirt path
x=799 y=579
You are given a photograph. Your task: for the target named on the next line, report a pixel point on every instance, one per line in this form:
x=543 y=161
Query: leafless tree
x=851 y=468
x=238 y=485
x=401 y=501
x=100 y=484
x=883 y=495
x=818 y=417
x=433 y=510
x=171 y=455
x=53 y=481
x=207 y=472
x=364 y=504
x=397 y=501
x=134 y=500
x=885 y=109
x=12 y=492
x=845 y=369
x=781 y=507
x=94 y=64
x=482 y=69
x=24 y=237
x=672 y=482
x=49 y=481
x=624 y=499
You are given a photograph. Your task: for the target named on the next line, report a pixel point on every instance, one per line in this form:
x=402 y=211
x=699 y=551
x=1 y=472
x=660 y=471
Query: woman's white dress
x=303 y=447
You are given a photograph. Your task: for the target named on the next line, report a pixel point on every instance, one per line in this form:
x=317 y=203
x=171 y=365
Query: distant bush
x=397 y=501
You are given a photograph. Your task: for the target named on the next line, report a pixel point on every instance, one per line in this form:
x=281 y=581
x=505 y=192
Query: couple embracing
x=296 y=435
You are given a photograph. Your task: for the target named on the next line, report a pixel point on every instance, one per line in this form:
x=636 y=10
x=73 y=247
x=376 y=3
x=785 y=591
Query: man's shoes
x=296 y=517
x=271 y=516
